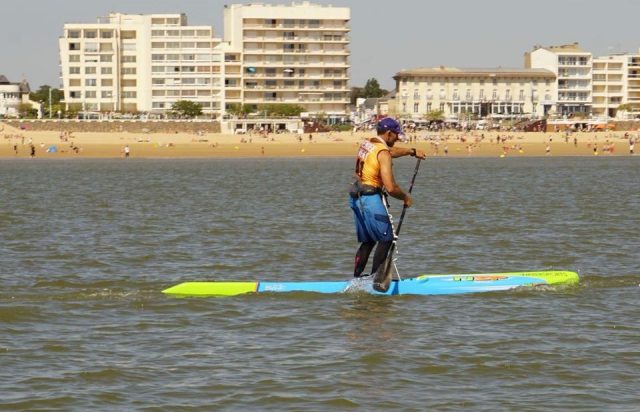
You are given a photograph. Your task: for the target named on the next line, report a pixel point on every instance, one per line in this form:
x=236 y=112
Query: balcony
x=280 y=26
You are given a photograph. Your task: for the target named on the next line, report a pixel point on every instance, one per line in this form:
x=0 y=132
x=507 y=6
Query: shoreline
x=333 y=144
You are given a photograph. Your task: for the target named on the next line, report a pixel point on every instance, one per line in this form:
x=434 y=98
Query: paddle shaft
x=384 y=283
x=404 y=209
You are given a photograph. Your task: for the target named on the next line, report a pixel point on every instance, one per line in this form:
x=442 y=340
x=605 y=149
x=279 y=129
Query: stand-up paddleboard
x=420 y=285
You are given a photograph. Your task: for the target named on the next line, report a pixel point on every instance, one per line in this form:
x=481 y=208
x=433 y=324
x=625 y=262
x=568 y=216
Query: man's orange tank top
x=367 y=164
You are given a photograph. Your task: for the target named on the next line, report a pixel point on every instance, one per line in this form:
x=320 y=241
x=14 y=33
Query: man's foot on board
x=363 y=276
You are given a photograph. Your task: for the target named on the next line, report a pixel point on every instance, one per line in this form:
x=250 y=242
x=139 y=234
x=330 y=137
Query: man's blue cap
x=390 y=124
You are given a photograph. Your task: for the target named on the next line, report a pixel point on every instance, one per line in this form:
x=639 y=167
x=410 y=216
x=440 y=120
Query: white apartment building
x=462 y=93
x=131 y=63
x=295 y=54
x=11 y=95
x=616 y=81
x=573 y=68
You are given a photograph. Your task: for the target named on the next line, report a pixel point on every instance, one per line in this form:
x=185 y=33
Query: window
x=128 y=59
x=129 y=83
x=74 y=70
x=416 y=107
x=74 y=82
x=73 y=34
x=90 y=94
x=107 y=94
x=129 y=95
x=74 y=58
x=90 y=82
x=106 y=70
x=74 y=46
x=128 y=70
x=106 y=58
x=91 y=47
x=106 y=47
x=157 y=81
x=90 y=34
x=128 y=47
x=89 y=70
x=157 y=57
x=75 y=94
x=106 y=82
x=128 y=34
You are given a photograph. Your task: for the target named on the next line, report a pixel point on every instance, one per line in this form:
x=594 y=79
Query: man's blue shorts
x=372 y=219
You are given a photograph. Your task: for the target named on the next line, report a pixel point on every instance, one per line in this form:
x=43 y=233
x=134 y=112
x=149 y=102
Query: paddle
x=383 y=285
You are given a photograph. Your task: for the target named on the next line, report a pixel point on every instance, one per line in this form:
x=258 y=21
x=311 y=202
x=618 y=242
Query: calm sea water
x=86 y=246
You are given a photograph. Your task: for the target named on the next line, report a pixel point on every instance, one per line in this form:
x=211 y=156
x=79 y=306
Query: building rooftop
x=571 y=47
x=475 y=72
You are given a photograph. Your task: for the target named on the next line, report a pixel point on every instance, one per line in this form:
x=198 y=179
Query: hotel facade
x=572 y=67
x=474 y=93
x=294 y=54
x=616 y=81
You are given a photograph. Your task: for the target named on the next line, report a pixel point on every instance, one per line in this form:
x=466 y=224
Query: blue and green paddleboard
x=420 y=285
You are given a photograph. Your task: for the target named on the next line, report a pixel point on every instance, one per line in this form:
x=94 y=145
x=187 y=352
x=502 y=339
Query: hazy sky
x=385 y=36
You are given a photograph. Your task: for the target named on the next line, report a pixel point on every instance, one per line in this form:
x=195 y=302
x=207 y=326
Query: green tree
x=356 y=93
x=372 y=89
x=74 y=109
x=42 y=96
x=26 y=110
x=434 y=115
x=238 y=109
x=280 y=110
x=187 y=108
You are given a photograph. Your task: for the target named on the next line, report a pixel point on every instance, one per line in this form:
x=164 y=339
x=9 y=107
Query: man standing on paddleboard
x=374 y=177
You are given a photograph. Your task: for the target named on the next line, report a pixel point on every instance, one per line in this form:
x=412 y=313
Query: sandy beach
x=16 y=144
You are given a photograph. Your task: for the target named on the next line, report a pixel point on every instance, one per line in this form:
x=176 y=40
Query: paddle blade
x=212 y=288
